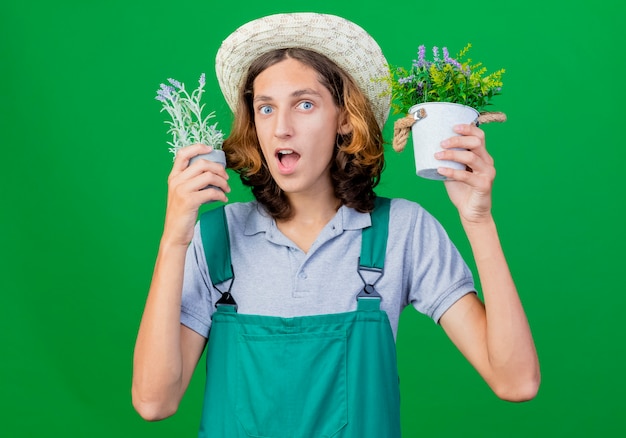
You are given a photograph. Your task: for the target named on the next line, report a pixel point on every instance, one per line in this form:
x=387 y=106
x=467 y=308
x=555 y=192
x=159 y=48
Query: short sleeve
x=196 y=305
x=439 y=275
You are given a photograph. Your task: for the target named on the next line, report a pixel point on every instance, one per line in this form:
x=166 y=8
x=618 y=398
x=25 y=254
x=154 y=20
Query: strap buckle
x=369 y=291
x=227 y=298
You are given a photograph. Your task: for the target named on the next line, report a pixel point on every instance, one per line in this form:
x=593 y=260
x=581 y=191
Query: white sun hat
x=347 y=44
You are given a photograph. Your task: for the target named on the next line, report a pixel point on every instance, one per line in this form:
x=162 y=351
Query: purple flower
x=420 y=61
x=406 y=80
x=202 y=80
x=175 y=83
x=165 y=92
x=436 y=53
x=421 y=54
x=456 y=64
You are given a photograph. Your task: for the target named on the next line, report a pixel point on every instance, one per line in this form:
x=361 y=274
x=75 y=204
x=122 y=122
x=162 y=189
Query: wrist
x=479 y=227
x=177 y=232
x=484 y=240
x=172 y=243
x=478 y=222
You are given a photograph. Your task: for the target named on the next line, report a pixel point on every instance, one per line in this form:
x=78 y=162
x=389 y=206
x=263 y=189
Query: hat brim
x=344 y=42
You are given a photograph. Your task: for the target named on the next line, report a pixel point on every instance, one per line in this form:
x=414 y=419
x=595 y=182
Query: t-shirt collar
x=260 y=221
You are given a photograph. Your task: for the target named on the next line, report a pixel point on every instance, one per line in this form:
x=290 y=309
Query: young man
x=304 y=343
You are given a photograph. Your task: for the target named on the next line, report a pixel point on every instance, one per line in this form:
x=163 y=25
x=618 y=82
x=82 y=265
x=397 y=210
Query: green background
x=83 y=190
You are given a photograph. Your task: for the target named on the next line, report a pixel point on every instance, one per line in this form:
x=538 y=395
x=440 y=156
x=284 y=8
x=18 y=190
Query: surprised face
x=297 y=122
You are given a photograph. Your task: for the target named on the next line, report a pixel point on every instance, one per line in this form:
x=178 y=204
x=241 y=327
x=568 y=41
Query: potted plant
x=436 y=95
x=188 y=125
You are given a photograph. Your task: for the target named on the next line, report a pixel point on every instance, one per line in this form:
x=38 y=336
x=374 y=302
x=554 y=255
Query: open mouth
x=287 y=159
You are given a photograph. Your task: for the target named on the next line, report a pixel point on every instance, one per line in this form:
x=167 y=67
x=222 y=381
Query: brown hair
x=358 y=156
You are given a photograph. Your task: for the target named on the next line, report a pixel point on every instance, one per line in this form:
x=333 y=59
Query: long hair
x=358 y=158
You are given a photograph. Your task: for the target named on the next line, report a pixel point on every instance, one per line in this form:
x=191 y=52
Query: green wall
x=83 y=185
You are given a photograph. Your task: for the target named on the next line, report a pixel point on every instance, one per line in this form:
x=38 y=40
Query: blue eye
x=265 y=110
x=306 y=105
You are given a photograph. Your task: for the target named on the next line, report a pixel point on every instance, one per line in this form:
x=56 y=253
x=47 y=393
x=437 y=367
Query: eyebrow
x=297 y=93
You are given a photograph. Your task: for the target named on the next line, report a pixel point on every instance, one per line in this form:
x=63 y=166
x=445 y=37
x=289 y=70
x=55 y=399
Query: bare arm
x=166 y=353
x=494 y=336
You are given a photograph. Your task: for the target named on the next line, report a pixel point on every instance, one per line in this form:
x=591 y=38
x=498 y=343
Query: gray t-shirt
x=274 y=277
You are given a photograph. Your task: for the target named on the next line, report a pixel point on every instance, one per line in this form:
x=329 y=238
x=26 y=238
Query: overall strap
x=373 y=249
x=216 y=244
x=374 y=237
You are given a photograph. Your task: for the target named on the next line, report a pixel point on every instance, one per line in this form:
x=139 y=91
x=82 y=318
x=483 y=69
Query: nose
x=283 y=127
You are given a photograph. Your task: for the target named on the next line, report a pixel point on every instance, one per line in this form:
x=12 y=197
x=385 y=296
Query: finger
x=469 y=158
x=463 y=142
x=209 y=194
x=200 y=174
x=206 y=179
x=469 y=129
x=202 y=165
x=188 y=187
x=190 y=194
x=470 y=137
x=471 y=143
x=481 y=180
x=183 y=155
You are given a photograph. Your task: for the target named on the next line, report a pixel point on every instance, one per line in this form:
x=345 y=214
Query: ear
x=345 y=127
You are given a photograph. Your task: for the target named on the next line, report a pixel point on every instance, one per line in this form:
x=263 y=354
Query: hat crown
x=344 y=42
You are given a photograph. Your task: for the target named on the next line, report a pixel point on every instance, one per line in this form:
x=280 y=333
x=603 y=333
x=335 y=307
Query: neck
x=316 y=208
x=310 y=215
